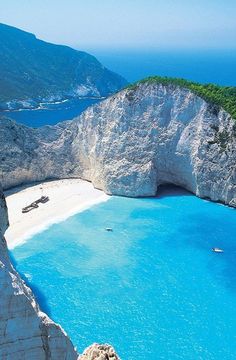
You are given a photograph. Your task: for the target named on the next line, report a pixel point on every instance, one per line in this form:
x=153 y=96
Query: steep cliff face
x=127 y=145
x=99 y=352
x=25 y=332
x=130 y=144
x=139 y=139
x=32 y=70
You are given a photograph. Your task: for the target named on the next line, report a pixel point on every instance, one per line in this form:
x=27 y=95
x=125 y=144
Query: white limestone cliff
x=129 y=144
x=26 y=333
x=99 y=352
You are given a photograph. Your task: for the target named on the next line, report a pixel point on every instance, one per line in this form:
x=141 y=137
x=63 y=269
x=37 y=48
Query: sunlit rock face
x=152 y=135
x=130 y=144
x=127 y=145
x=25 y=332
x=99 y=352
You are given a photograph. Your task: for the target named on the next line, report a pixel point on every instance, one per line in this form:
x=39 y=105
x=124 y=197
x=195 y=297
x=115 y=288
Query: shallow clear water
x=153 y=288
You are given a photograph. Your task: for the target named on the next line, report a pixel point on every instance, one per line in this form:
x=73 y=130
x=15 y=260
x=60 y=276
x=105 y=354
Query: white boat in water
x=217 y=250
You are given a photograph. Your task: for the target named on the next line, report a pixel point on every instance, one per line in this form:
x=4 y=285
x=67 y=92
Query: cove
x=50 y=113
x=152 y=287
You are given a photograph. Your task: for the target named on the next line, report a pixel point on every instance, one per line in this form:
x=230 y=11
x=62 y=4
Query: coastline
x=43 y=104
x=67 y=197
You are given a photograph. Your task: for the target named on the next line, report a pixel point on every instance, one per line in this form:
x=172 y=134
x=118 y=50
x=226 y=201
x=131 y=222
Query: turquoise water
x=153 y=288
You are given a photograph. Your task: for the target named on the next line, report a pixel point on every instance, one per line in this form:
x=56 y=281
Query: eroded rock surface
x=25 y=332
x=130 y=144
x=99 y=352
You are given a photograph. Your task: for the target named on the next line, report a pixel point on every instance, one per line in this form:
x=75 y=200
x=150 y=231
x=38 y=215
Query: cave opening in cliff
x=168 y=189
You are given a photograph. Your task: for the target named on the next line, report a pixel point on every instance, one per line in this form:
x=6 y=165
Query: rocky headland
x=129 y=144
x=26 y=333
x=33 y=71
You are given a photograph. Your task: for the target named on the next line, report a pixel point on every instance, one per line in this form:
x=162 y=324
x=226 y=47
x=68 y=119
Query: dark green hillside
x=224 y=96
x=31 y=68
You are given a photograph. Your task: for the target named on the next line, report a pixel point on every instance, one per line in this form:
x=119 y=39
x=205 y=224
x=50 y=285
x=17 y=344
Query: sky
x=132 y=24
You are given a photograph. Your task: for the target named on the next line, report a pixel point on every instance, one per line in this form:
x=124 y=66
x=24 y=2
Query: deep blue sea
x=152 y=288
x=203 y=66
x=51 y=114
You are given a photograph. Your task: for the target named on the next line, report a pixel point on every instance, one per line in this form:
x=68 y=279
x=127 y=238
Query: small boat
x=35 y=204
x=109 y=229
x=217 y=250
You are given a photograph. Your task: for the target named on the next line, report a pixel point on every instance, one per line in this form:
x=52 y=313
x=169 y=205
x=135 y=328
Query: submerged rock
x=129 y=144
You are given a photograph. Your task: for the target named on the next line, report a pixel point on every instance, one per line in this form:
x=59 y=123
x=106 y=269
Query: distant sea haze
x=217 y=67
x=205 y=66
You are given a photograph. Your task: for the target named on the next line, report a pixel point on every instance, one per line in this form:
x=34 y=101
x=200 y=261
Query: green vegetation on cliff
x=223 y=96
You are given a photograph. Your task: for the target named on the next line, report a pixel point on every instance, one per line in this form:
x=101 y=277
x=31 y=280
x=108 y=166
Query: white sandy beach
x=67 y=197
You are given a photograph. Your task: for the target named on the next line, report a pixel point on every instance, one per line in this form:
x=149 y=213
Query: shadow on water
x=41 y=299
x=168 y=190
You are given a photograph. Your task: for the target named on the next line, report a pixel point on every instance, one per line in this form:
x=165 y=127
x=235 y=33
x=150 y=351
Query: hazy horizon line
x=132 y=47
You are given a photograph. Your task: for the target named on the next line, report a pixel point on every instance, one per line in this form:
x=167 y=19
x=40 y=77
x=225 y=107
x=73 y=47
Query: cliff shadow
x=15 y=189
x=167 y=190
x=39 y=296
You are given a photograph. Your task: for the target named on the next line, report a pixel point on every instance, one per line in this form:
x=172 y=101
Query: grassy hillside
x=31 y=68
x=223 y=96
